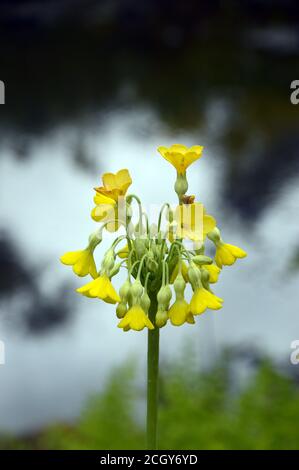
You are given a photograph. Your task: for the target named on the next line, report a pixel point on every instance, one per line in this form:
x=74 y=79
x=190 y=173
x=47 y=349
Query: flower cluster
x=158 y=263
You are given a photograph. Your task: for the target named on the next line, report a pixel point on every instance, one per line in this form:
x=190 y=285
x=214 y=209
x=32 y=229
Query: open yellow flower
x=181 y=156
x=203 y=299
x=193 y=222
x=213 y=271
x=227 y=254
x=135 y=319
x=179 y=313
x=100 y=288
x=82 y=262
x=109 y=197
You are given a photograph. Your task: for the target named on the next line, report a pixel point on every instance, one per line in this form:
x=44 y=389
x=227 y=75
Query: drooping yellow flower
x=135 y=319
x=227 y=254
x=110 y=197
x=82 y=262
x=203 y=299
x=179 y=313
x=193 y=222
x=213 y=271
x=100 y=288
x=181 y=156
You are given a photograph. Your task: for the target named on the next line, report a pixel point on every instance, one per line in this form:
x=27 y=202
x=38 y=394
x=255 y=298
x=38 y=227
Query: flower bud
x=161 y=318
x=215 y=235
x=108 y=261
x=136 y=290
x=201 y=259
x=179 y=286
x=124 y=291
x=164 y=296
x=121 y=310
x=194 y=275
x=115 y=270
x=145 y=302
x=140 y=247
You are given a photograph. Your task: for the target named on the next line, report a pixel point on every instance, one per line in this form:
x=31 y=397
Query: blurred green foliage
x=207 y=410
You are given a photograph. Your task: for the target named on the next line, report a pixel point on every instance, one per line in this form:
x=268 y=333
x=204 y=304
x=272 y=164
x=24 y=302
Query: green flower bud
x=164 y=296
x=179 y=286
x=201 y=259
x=115 y=270
x=194 y=275
x=161 y=318
x=205 y=277
x=124 y=291
x=145 y=302
x=121 y=310
x=136 y=290
x=108 y=261
x=215 y=235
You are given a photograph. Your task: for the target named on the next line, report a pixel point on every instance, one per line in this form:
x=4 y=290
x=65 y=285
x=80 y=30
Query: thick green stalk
x=152 y=378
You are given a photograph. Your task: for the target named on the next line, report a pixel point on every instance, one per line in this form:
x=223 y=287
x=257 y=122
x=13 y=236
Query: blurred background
x=94 y=86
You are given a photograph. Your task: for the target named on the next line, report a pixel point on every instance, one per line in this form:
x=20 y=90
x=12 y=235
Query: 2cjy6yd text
x=149 y=459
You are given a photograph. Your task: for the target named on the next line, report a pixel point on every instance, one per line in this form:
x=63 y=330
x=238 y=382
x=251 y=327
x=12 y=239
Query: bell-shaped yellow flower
x=193 y=222
x=227 y=254
x=82 y=262
x=203 y=299
x=135 y=319
x=110 y=197
x=213 y=271
x=179 y=313
x=100 y=288
x=181 y=156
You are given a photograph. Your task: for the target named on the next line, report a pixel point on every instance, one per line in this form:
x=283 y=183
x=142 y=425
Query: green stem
x=152 y=378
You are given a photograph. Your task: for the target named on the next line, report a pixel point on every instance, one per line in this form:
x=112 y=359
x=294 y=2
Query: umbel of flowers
x=158 y=261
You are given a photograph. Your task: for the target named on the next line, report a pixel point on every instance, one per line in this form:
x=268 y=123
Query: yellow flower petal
x=179 y=312
x=180 y=156
x=213 y=271
x=135 y=319
x=100 y=288
x=227 y=254
x=82 y=262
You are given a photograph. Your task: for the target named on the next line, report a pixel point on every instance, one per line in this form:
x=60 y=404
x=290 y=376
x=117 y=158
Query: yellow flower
x=82 y=262
x=175 y=272
x=213 y=271
x=124 y=252
x=203 y=299
x=193 y=222
x=135 y=319
x=227 y=254
x=109 y=197
x=181 y=156
x=179 y=313
x=100 y=288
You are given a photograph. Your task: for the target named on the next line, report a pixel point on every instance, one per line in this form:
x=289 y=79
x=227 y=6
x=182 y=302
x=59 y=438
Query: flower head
x=82 y=262
x=227 y=254
x=181 y=156
x=135 y=319
x=100 y=288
